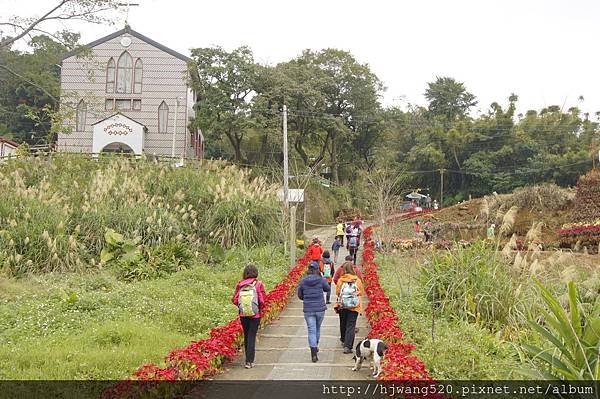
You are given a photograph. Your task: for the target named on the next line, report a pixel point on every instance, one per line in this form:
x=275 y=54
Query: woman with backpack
x=249 y=297
x=327 y=268
x=349 y=289
x=310 y=292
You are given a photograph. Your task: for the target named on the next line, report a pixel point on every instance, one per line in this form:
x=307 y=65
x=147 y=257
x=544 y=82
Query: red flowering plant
x=587 y=233
x=202 y=359
x=399 y=363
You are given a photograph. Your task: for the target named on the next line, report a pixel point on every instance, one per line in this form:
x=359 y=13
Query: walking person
x=340 y=230
x=349 y=290
x=315 y=250
x=335 y=247
x=348 y=233
x=327 y=268
x=249 y=297
x=427 y=227
x=310 y=292
x=353 y=247
x=417 y=229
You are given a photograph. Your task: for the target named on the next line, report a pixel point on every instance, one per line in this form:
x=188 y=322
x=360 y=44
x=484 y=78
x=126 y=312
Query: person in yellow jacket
x=340 y=230
x=349 y=290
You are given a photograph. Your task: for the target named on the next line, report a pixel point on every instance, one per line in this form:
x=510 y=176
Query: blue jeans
x=313 y=323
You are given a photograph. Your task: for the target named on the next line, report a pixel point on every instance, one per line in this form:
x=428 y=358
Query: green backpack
x=248 y=300
x=327 y=269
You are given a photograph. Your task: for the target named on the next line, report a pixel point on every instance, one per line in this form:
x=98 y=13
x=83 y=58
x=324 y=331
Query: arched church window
x=124 y=73
x=110 y=76
x=137 y=77
x=80 y=118
x=163 y=117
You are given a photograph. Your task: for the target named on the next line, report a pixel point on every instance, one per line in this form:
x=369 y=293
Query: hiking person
x=315 y=250
x=340 y=270
x=340 y=230
x=428 y=201
x=349 y=289
x=435 y=204
x=249 y=297
x=427 y=230
x=335 y=247
x=490 y=232
x=327 y=268
x=310 y=292
x=353 y=246
x=348 y=233
x=417 y=229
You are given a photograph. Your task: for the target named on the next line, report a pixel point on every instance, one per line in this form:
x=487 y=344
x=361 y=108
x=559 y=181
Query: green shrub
x=473 y=284
x=452 y=349
x=571 y=339
x=54 y=211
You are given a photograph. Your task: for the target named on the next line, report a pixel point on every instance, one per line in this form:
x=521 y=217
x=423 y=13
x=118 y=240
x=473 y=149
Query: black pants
x=347 y=327
x=250 y=326
x=353 y=252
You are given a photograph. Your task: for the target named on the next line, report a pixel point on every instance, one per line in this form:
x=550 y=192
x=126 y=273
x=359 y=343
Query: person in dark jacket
x=310 y=292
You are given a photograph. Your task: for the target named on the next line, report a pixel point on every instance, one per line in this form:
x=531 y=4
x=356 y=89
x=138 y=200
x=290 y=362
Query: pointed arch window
x=124 y=73
x=110 y=76
x=163 y=117
x=137 y=76
x=81 y=115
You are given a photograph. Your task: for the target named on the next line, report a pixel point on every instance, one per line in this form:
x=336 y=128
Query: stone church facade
x=127 y=93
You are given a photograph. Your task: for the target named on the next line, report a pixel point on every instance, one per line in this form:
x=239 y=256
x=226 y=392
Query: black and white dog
x=372 y=349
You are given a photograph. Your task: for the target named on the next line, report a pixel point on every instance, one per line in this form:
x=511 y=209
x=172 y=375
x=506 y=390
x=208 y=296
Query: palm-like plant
x=573 y=344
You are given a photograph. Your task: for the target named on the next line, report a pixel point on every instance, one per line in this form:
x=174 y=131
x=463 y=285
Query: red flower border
x=203 y=359
x=398 y=363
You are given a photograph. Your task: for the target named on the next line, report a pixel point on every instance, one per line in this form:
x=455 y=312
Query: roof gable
x=9 y=142
x=130 y=31
x=121 y=115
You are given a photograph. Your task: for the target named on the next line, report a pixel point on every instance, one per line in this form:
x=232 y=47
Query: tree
x=225 y=83
x=91 y=11
x=30 y=87
x=449 y=98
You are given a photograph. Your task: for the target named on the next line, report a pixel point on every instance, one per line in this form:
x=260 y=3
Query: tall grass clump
x=473 y=284
x=55 y=211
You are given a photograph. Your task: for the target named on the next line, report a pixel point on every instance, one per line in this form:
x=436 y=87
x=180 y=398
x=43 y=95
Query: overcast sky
x=545 y=51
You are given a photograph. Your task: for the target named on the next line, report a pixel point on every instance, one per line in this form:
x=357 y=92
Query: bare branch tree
x=92 y=11
x=386 y=194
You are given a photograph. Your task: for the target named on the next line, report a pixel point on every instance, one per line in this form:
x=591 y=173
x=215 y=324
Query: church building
x=127 y=93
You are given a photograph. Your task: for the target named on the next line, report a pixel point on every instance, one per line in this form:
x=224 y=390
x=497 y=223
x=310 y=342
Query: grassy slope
x=459 y=350
x=111 y=327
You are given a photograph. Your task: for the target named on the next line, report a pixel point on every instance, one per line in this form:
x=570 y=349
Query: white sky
x=545 y=51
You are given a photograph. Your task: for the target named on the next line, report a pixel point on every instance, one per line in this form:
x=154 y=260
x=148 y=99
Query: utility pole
x=441 y=187
x=292 y=236
x=286 y=203
x=178 y=99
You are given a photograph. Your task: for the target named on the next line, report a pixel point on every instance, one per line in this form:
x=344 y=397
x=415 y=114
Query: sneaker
x=347 y=350
x=248 y=365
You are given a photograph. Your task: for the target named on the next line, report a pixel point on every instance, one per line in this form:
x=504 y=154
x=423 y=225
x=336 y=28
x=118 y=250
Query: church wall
x=164 y=78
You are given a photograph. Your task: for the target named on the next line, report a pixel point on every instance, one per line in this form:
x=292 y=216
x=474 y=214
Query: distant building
x=8 y=148
x=128 y=93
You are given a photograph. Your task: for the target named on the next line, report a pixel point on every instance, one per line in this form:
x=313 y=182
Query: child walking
x=337 y=244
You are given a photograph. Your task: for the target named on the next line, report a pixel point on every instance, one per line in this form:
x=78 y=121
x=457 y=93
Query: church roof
x=118 y=114
x=130 y=31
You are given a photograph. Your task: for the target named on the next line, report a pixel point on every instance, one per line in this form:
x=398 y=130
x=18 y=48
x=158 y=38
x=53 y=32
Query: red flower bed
x=202 y=359
x=398 y=363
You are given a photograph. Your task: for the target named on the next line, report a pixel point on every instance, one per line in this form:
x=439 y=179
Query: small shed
x=8 y=148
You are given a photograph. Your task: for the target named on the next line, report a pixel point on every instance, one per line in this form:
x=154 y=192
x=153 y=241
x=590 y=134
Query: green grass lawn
x=94 y=326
